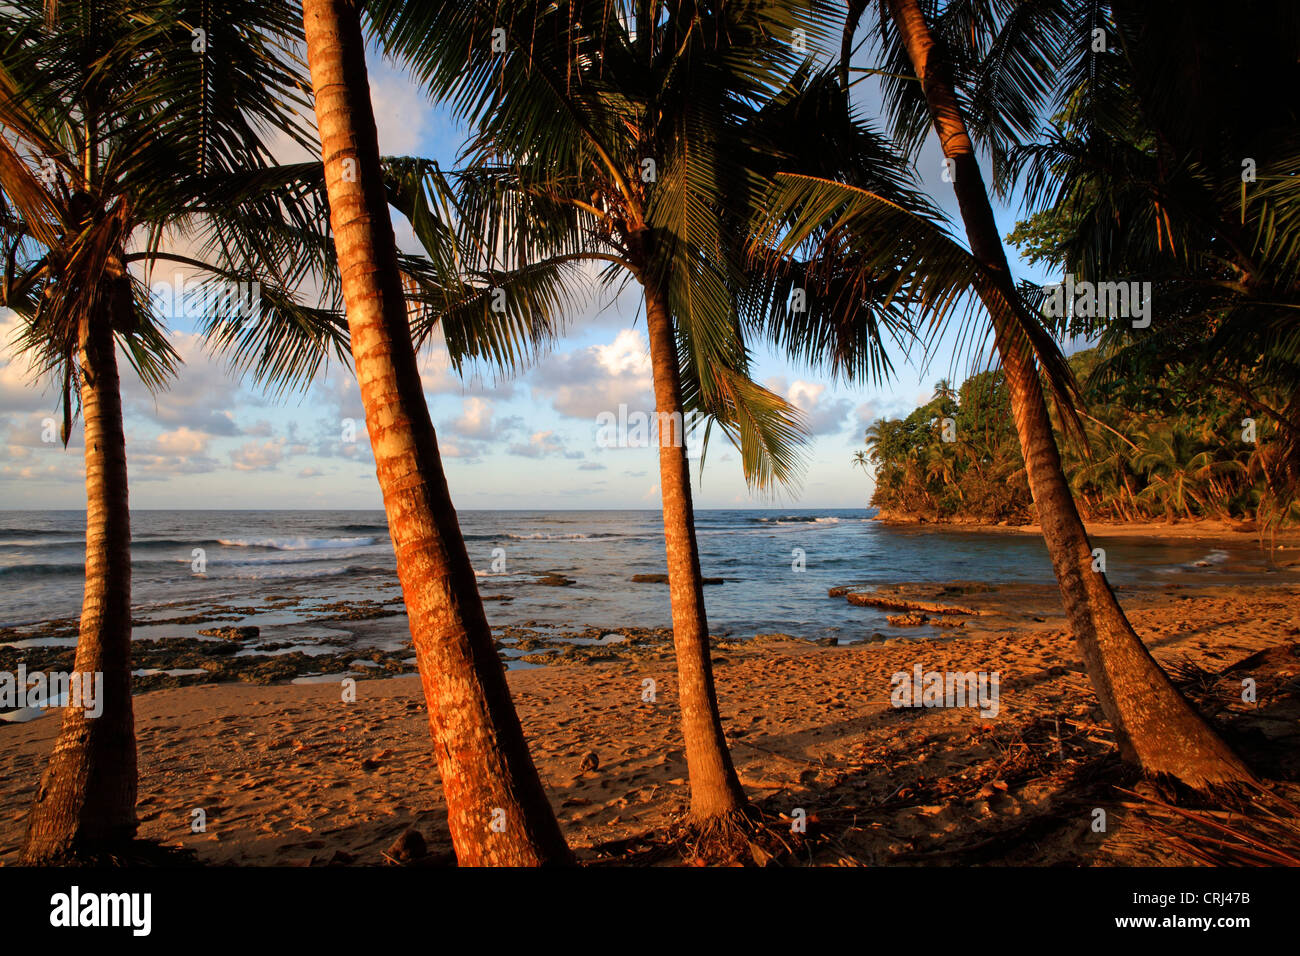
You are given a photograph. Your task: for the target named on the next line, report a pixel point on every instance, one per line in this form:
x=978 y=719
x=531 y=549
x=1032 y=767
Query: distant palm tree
x=120 y=129
x=497 y=809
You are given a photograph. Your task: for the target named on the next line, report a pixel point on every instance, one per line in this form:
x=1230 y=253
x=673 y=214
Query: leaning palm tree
x=1155 y=727
x=119 y=133
x=632 y=136
x=497 y=809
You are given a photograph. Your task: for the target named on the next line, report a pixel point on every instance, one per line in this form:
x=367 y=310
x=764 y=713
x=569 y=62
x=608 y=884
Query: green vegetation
x=1171 y=450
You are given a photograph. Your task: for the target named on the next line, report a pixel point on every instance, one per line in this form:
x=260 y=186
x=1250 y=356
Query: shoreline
x=1207 y=530
x=223 y=645
x=290 y=774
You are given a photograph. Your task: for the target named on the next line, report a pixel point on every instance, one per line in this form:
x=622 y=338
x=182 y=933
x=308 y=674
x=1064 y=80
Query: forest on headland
x=1179 y=449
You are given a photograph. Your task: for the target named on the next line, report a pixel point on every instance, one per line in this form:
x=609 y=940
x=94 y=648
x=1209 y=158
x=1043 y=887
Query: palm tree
x=1154 y=725
x=112 y=138
x=1160 y=163
x=497 y=809
x=624 y=134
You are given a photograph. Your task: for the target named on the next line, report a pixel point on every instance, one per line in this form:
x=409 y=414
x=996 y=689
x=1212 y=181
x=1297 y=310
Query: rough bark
x=715 y=788
x=1155 y=727
x=85 y=803
x=497 y=810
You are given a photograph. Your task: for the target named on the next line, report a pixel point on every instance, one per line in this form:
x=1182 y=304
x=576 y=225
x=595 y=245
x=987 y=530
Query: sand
x=1219 y=530
x=290 y=774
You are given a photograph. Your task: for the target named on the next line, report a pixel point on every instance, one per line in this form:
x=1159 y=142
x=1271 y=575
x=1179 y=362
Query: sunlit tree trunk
x=86 y=800
x=1154 y=725
x=715 y=788
x=498 y=812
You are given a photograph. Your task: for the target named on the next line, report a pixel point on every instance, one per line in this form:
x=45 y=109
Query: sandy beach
x=1208 y=529
x=290 y=774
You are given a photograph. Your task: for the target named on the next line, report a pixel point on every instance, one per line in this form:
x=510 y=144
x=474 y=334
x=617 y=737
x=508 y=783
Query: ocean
x=326 y=557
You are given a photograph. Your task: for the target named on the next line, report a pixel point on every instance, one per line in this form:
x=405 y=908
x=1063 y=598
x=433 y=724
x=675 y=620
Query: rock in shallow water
x=231 y=633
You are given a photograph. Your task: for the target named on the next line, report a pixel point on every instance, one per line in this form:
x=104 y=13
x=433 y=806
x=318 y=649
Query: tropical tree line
x=1178 y=451
x=704 y=153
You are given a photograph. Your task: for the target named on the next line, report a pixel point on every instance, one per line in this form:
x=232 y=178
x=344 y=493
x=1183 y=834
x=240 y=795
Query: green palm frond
x=127 y=134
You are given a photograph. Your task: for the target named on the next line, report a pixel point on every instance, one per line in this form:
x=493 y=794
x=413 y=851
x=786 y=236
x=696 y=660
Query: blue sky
x=522 y=443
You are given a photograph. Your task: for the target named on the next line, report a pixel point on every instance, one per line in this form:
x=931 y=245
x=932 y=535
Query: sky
x=527 y=442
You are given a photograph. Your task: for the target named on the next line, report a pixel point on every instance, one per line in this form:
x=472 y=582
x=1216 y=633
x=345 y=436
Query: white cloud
x=475 y=420
x=825 y=416
x=20 y=390
x=198 y=398
x=400 y=111
x=258 y=456
x=864 y=415
x=599 y=378
x=544 y=445
x=465 y=450
x=182 y=442
x=437 y=377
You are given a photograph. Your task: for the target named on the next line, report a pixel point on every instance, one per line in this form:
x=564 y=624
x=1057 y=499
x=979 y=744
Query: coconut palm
x=635 y=136
x=1154 y=725
x=497 y=809
x=122 y=131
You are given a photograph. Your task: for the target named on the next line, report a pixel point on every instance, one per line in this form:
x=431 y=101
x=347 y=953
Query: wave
x=296 y=544
x=545 y=536
x=798 y=519
x=368 y=528
x=173 y=543
x=20 y=571
x=33 y=532
x=291 y=572
x=41 y=543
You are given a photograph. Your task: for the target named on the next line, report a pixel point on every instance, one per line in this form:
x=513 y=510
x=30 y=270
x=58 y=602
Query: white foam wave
x=296 y=544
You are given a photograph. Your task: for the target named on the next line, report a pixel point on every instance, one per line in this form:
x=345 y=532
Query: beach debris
x=590 y=761
x=231 y=633
x=407 y=848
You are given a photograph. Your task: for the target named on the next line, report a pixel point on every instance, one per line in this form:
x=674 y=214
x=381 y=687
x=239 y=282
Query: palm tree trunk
x=86 y=800
x=715 y=788
x=498 y=812
x=1154 y=725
